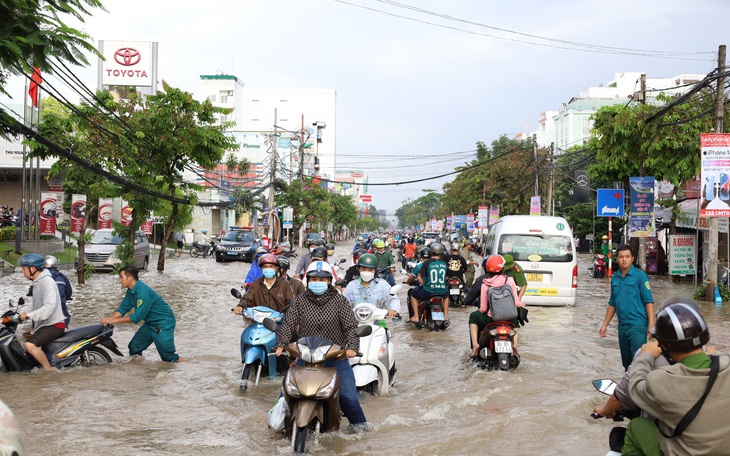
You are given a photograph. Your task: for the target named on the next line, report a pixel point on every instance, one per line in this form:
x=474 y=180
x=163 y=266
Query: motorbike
x=456 y=291
x=618 y=433
x=288 y=254
x=312 y=391
x=80 y=346
x=198 y=249
x=431 y=314
x=497 y=342
x=598 y=270
x=375 y=370
x=257 y=343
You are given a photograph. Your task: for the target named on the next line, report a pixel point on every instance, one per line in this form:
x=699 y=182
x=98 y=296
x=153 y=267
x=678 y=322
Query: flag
x=35 y=82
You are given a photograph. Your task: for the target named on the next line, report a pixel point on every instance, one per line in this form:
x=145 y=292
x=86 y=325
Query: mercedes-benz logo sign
x=582 y=180
x=127 y=56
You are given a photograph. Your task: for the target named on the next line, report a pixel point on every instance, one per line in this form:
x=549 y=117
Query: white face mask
x=367 y=276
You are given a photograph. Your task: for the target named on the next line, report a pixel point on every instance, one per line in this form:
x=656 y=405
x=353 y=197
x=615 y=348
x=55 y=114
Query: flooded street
x=440 y=404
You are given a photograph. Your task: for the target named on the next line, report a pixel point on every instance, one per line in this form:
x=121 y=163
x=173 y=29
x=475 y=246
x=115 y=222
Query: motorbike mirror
x=270 y=324
x=21 y=301
x=10 y=303
x=342 y=260
x=236 y=293
x=363 y=331
x=341 y=283
x=397 y=319
x=395 y=289
x=605 y=386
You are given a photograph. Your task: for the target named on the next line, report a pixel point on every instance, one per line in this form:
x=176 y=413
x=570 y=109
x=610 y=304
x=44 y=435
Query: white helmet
x=49 y=261
x=319 y=269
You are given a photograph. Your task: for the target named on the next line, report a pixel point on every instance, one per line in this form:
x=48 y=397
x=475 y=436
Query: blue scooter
x=257 y=342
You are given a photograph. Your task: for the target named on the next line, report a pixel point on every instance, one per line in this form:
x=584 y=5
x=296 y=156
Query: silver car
x=102 y=250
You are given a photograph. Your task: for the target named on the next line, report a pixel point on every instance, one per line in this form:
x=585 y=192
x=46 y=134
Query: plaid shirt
x=329 y=316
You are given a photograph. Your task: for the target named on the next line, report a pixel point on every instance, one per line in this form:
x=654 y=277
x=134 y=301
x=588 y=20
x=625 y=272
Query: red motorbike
x=497 y=342
x=598 y=270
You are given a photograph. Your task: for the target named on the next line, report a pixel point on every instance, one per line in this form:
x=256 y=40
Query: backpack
x=502 y=302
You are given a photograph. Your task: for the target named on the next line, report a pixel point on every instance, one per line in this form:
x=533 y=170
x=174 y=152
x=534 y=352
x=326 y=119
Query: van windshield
x=553 y=248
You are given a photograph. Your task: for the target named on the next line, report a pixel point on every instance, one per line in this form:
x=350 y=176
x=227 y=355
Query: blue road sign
x=610 y=202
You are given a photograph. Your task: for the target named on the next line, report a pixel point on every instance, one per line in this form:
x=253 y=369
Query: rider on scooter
x=297 y=286
x=369 y=289
x=353 y=272
x=424 y=255
x=205 y=241
x=385 y=260
x=322 y=312
x=432 y=281
x=47 y=315
x=479 y=319
x=457 y=263
x=306 y=259
x=255 y=271
x=409 y=251
x=269 y=290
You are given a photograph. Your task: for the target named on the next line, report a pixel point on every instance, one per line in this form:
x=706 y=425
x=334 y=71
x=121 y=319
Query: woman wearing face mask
x=322 y=312
x=270 y=290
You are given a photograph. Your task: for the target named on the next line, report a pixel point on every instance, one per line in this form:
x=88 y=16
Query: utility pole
x=534 y=154
x=642 y=240
x=272 y=177
x=714 y=222
x=549 y=206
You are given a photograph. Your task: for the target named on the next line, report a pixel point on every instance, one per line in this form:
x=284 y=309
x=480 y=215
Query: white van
x=543 y=247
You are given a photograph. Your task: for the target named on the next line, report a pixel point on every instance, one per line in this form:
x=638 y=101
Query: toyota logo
x=127 y=56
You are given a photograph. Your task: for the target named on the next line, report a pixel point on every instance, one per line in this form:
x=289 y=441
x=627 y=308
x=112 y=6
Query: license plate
x=437 y=315
x=533 y=277
x=502 y=346
x=454 y=291
x=233 y=253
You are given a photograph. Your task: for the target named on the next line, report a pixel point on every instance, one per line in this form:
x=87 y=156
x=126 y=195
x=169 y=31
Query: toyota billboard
x=128 y=63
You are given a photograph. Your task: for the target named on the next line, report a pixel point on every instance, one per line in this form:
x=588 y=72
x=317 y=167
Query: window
x=283 y=101
x=254 y=101
x=552 y=248
x=212 y=98
x=224 y=99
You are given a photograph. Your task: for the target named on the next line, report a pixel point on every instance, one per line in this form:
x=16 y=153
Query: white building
x=257 y=111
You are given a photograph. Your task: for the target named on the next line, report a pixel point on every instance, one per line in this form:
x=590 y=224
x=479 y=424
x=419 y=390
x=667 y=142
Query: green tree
x=311 y=202
x=344 y=213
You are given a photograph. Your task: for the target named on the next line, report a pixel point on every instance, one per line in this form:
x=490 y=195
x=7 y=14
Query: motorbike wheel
x=195 y=252
x=94 y=356
x=503 y=359
x=300 y=439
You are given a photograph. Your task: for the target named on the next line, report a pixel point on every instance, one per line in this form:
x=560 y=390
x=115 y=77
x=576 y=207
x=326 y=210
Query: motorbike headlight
x=258 y=315
x=326 y=390
x=383 y=349
x=363 y=313
x=291 y=388
x=313 y=356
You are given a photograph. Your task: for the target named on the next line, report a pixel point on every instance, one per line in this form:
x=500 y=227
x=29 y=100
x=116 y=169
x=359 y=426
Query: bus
x=543 y=247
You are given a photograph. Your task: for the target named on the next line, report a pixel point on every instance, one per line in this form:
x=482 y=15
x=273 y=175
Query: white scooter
x=375 y=370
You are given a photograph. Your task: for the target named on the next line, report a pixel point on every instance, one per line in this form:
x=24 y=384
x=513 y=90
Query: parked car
x=102 y=250
x=235 y=245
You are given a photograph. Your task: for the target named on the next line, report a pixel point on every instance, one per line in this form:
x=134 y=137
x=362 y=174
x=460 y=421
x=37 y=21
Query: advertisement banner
x=483 y=216
x=127 y=63
x=78 y=212
x=147 y=226
x=448 y=222
x=434 y=224
x=641 y=217
x=49 y=207
x=469 y=223
x=104 y=219
x=715 y=177
x=682 y=254
x=493 y=214
x=126 y=216
x=535 y=205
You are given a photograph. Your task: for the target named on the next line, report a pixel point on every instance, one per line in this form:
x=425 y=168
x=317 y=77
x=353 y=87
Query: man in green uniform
x=514 y=270
x=159 y=321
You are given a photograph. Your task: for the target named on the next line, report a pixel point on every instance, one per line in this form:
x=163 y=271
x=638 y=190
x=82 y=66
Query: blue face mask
x=318 y=288
x=269 y=273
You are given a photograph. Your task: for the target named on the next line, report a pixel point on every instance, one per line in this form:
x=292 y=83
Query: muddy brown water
x=440 y=404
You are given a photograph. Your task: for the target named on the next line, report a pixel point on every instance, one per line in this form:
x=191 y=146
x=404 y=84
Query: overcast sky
x=407 y=88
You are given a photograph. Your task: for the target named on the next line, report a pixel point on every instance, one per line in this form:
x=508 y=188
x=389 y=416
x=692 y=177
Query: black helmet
x=680 y=328
x=362 y=246
x=426 y=252
x=329 y=246
x=315 y=241
x=410 y=239
x=437 y=248
x=283 y=262
x=358 y=253
x=319 y=252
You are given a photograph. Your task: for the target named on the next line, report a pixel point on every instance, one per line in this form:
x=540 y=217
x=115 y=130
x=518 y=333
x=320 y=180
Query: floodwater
x=441 y=404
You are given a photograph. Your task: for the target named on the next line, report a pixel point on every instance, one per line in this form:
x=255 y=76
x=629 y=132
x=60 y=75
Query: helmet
x=283 y=262
x=32 y=259
x=378 y=244
x=9 y=432
x=358 y=253
x=268 y=258
x=426 y=252
x=410 y=239
x=437 y=248
x=315 y=241
x=362 y=246
x=680 y=328
x=368 y=261
x=205 y=231
x=319 y=252
x=455 y=246
x=604 y=237
x=495 y=263
x=259 y=250
x=49 y=261
x=330 y=248
x=319 y=269
x=359 y=238
x=467 y=241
